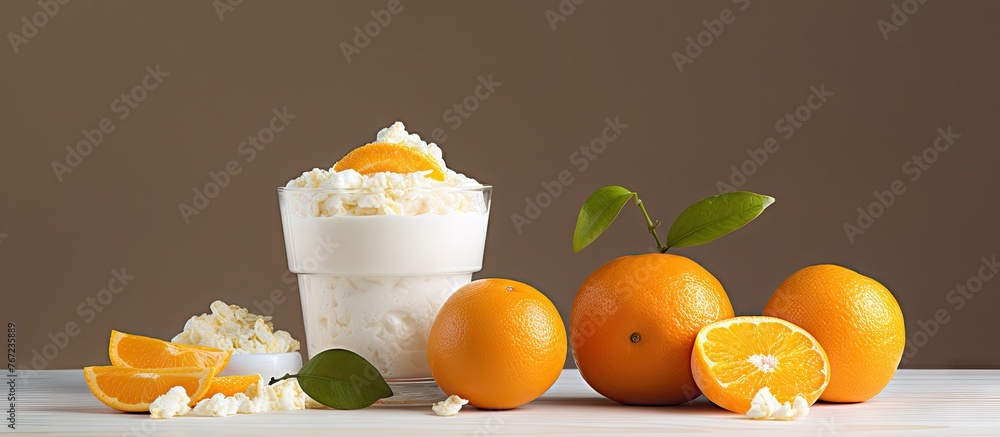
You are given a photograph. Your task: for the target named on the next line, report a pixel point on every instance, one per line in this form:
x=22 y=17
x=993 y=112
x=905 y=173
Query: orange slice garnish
x=132 y=389
x=389 y=157
x=127 y=350
x=733 y=359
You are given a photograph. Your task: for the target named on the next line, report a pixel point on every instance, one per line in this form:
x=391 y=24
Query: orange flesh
x=230 y=385
x=132 y=389
x=389 y=157
x=735 y=358
x=127 y=350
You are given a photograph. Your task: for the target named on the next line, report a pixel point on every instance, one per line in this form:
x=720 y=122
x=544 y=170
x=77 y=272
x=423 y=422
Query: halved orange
x=127 y=350
x=733 y=359
x=133 y=389
x=389 y=157
x=230 y=385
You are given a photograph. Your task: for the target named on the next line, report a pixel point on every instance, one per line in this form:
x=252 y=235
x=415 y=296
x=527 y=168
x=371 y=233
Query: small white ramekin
x=267 y=365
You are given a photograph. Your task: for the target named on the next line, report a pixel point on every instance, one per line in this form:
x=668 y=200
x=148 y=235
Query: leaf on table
x=341 y=379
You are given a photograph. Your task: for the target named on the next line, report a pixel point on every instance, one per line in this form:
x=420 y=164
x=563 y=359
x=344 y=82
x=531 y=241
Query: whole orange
x=854 y=318
x=498 y=343
x=634 y=323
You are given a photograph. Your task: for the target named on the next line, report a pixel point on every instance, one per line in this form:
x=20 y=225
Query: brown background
x=119 y=208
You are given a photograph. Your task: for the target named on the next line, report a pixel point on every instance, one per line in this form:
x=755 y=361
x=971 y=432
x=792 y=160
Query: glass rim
x=479 y=188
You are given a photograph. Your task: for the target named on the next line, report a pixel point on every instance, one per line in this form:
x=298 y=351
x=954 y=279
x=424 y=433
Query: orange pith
x=389 y=157
x=230 y=385
x=127 y=350
x=733 y=359
x=133 y=389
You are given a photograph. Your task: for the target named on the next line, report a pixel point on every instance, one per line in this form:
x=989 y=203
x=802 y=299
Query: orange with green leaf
x=635 y=319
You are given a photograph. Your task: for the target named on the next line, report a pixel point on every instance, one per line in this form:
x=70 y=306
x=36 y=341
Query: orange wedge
x=733 y=359
x=389 y=157
x=230 y=385
x=131 y=389
x=127 y=350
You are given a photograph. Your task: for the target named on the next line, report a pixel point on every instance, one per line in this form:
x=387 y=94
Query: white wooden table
x=916 y=403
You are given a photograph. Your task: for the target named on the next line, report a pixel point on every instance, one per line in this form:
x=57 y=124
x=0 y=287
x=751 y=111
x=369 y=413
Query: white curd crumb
x=765 y=406
x=450 y=406
x=801 y=407
x=172 y=403
x=216 y=406
x=285 y=395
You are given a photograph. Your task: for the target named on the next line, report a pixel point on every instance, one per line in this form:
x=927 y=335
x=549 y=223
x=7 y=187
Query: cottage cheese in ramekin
x=230 y=327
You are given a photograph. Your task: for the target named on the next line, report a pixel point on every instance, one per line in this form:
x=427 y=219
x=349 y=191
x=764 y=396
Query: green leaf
x=597 y=213
x=341 y=379
x=715 y=216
